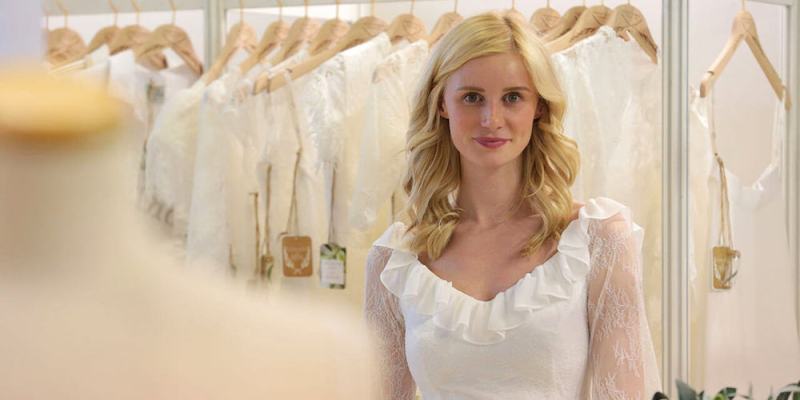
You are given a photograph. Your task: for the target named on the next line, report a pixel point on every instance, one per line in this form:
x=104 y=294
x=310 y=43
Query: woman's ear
x=541 y=108
x=443 y=110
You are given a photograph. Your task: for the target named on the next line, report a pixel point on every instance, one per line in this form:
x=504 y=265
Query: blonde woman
x=501 y=286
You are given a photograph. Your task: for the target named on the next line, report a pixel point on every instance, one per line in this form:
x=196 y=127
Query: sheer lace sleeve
x=383 y=316
x=622 y=362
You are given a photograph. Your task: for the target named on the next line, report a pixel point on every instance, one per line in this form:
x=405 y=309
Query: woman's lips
x=491 y=142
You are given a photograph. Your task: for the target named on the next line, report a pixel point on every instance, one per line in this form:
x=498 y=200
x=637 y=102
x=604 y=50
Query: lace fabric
x=382 y=161
x=613 y=94
x=170 y=154
x=572 y=328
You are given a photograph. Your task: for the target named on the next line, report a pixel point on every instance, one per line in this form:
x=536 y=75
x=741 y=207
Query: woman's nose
x=492 y=117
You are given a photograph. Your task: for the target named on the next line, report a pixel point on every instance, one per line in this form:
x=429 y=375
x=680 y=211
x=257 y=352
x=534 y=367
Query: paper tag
x=332 y=269
x=297 y=257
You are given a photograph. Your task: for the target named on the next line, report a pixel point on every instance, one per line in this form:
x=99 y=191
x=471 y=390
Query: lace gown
x=572 y=328
x=614 y=113
x=382 y=161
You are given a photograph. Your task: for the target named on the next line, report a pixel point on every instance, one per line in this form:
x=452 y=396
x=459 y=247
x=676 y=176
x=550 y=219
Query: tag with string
x=266 y=262
x=725 y=257
x=333 y=257
x=297 y=254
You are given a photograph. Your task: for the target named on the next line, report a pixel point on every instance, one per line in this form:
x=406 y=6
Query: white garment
x=613 y=93
x=209 y=238
x=170 y=154
x=739 y=350
x=382 y=159
x=341 y=104
x=572 y=328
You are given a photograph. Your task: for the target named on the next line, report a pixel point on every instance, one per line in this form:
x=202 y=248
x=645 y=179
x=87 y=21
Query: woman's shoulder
x=395 y=237
x=606 y=217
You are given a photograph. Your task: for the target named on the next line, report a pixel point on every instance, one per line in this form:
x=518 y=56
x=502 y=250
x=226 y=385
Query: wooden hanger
x=64 y=45
x=627 y=21
x=241 y=37
x=744 y=29
x=275 y=33
x=544 y=19
x=567 y=21
x=302 y=31
x=169 y=36
x=132 y=36
x=104 y=36
x=445 y=23
x=362 y=30
x=406 y=27
x=588 y=23
x=513 y=12
x=330 y=32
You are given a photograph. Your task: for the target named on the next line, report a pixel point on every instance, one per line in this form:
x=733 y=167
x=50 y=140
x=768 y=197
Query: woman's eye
x=472 y=98
x=513 y=97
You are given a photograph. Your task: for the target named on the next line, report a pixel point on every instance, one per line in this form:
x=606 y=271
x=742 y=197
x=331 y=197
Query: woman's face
x=491 y=104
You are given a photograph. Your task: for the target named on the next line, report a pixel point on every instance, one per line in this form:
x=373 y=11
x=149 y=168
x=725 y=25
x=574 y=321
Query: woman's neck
x=491 y=196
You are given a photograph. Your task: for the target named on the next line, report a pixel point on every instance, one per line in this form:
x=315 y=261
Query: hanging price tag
x=297 y=257
x=332 y=266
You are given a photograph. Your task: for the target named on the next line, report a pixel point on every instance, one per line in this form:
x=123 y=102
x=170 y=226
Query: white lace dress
x=209 y=237
x=572 y=328
x=614 y=114
x=382 y=159
x=170 y=157
x=341 y=104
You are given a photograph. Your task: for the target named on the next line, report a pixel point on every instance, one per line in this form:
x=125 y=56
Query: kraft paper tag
x=332 y=266
x=297 y=257
x=725 y=263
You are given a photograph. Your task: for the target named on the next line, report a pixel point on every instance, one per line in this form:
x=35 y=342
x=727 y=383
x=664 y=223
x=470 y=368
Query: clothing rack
x=214 y=12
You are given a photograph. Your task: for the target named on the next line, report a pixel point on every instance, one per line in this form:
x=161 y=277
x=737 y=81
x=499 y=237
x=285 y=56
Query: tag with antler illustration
x=297 y=256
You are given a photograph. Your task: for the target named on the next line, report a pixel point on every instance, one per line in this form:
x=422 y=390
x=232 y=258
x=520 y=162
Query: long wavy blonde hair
x=550 y=161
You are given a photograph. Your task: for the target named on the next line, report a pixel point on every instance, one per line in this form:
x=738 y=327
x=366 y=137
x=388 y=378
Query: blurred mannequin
x=90 y=309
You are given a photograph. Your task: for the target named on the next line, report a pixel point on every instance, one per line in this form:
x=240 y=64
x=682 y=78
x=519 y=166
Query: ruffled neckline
x=484 y=322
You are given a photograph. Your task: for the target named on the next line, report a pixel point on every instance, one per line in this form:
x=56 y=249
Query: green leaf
x=685 y=392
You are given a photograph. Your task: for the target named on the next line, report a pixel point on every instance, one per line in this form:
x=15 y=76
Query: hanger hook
x=241 y=11
x=455 y=7
x=743 y=5
x=412 y=7
x=548 y=4
x=372 y=8
x=138 y=9
x=63 y=11
x=115 y=10
x=280 y=9
x=337 y=8
x=174 y=10
x=305 y=4
x=513 y=4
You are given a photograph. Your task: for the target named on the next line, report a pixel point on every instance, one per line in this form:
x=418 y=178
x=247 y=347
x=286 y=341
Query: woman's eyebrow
x=508 y=89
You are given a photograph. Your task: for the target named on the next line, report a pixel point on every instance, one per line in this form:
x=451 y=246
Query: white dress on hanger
x=340 y=106
x=382 y=159
x=572 y=328
x=209 y=238
x=170 y=155
x=613 y=93
x=762 y=295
